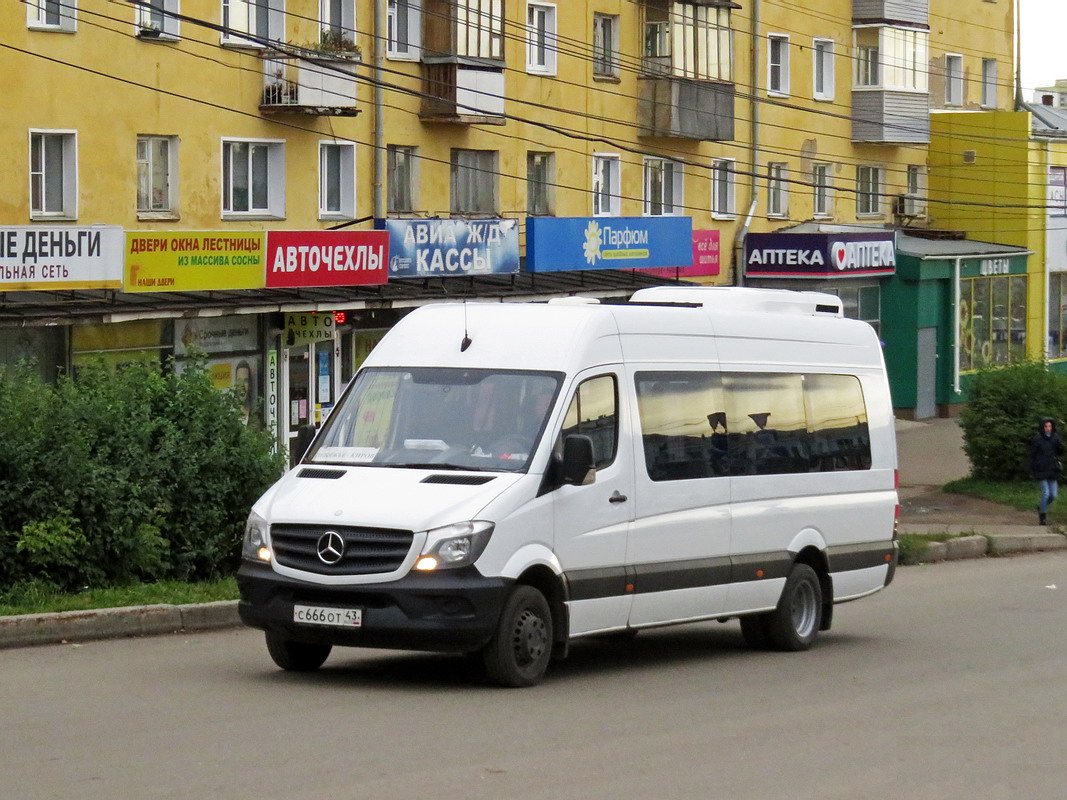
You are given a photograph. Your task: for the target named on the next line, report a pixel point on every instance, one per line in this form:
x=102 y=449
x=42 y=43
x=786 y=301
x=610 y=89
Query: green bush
x=129 y=475
x=1003 y=409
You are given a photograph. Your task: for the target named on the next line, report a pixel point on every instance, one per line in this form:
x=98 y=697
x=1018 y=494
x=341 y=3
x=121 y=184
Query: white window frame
x=275 y=189
x=155 y=21
x=146 y=169
x=723 y=188
x=606 y=45
x=341 y=180
x=1056 y=204
x=544 y=184
x=822 y=190
x=989 y=83
x=607 y=197
x=398 y=173
x=870 y=188
x=68 y=170
x=485 y=200
x=915 y=191
x=235 y=14
x=337 y=18
x=58 y=16
x=541 y=41
x=954 y=89
x=822 y=66
x=890 y=57
x=663 y=194
x=778 y=68
x=777 y=189
x=404 y=15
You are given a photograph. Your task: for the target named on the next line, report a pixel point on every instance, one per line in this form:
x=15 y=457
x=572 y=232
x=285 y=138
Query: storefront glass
x=992 y=321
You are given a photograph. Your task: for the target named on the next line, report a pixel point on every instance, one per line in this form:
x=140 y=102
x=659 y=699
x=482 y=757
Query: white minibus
x=505 y=478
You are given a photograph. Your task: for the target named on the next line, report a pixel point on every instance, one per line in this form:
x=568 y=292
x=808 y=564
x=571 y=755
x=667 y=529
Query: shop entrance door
x=311 y=377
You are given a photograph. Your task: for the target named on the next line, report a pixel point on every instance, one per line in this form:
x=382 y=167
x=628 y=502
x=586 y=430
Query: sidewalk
x=929 y=453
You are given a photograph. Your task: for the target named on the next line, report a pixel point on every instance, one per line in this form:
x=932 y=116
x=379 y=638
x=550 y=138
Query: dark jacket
x=1045 y=451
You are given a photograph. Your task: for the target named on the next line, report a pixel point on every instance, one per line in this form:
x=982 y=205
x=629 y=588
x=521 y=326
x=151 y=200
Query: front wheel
x=519 y=652
x=794 y=624
x=296 y=656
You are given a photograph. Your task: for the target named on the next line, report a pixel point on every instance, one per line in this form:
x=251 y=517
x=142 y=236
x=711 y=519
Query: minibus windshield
x=439 y=418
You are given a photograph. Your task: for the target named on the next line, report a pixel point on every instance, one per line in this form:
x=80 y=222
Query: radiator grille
x=367 y=551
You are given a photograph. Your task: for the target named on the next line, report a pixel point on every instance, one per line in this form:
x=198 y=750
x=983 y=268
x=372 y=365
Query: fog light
x=426 y=564
x=264 y=554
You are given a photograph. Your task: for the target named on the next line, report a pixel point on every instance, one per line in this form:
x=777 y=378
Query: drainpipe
x=956 y=325
x=753 y=164
x=380 y=33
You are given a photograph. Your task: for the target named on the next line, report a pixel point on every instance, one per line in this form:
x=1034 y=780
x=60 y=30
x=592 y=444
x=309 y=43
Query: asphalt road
x=952 y=683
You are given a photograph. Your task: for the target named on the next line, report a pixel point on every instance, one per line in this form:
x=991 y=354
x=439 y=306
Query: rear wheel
x=794 y=624
x=296 y=656
x=519 y=652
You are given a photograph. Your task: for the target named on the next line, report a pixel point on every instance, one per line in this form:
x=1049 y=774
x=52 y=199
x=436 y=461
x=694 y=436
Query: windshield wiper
x=429 y=465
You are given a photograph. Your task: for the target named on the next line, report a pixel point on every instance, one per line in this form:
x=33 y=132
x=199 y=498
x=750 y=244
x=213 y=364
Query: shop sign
x=705 y=259
x=820 y=255
x=190 y=261
x=326 y=258
x=231 y=334
x=1007 y=264
x=33 y=258
x=427 y=248
x=271 y=410
x=304 y=327
x=1056 y=244
x=555 y=244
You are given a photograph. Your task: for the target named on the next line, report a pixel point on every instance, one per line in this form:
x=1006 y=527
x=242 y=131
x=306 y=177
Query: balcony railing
x=321 y=85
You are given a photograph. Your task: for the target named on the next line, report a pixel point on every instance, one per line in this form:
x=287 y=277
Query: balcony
x=317 y=85
x=682 y=108
x=461 y=90
x=916 y=12
x=883 y=116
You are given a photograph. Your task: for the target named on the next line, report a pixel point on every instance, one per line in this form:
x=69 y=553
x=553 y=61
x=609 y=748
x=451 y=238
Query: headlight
x=457 y=545
x=256 y=544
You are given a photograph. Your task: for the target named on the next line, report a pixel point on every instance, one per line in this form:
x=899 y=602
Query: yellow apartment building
x=274 y=183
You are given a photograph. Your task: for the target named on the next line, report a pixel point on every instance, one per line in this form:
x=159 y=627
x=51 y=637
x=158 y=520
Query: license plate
x=320 y=615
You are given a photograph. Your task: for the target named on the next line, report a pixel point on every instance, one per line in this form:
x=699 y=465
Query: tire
x=794 y=624
x=519 y=652
x=754 y=629
x=296 y=656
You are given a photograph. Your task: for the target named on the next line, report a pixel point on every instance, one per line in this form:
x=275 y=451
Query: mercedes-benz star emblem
x=331 y=547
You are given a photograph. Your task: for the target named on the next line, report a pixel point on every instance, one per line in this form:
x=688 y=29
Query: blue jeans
x=1049 y=487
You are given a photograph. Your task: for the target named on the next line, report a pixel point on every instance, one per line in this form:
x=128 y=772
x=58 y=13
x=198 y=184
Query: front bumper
x=456 y=610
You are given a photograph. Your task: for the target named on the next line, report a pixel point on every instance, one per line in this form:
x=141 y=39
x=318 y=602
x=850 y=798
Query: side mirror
x=578 y=461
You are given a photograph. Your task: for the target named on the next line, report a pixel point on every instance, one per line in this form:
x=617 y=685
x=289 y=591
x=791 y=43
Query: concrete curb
x=112 y=623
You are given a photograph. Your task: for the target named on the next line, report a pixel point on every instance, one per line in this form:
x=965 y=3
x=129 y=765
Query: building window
x=541 y=38
x=953 y=80
x=337 y=24
x=777 y=193
x=861 y=302
x=1057 y=191
x=723 y=187
x=403 y=178
x=337 y=180
x=253 y=178
x=605 y=45
x=822 y=190
x=778 y=64
x=663 y=187
x=687 y=40
x=989 y=83
x=540 y=181
x=156 y=159
x=474 y=181
x=869 y=189
x=1057 y=315
x=248 y=23
x=53 y=175
x=52 y=15
x=915 y=196
x=404 y=23
x=992 y=321
x=607 y=201
x=479 y=28
x=155 y=20
x=891 y=58
x=823 y=69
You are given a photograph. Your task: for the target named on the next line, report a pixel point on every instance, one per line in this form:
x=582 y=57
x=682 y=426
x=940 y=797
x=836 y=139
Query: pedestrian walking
x=1045 y=451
